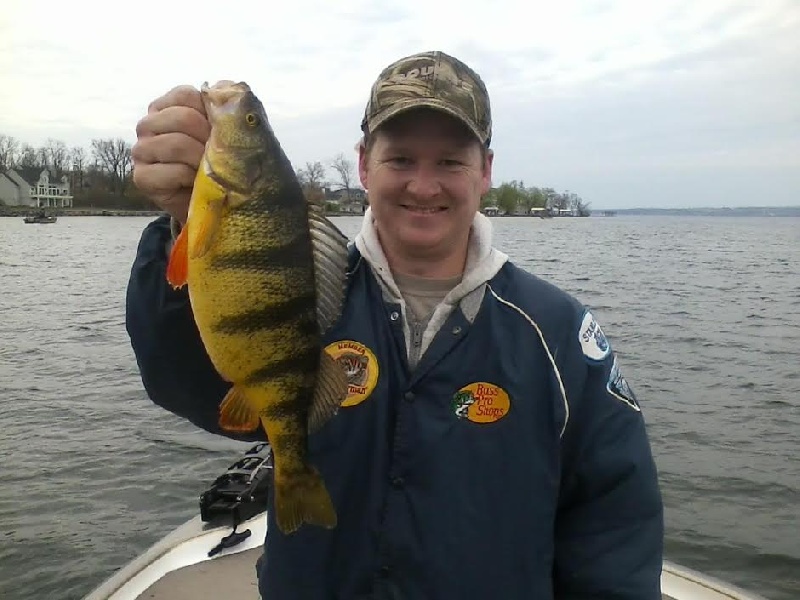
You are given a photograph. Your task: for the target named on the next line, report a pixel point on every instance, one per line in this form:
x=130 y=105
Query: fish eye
x=251 y=119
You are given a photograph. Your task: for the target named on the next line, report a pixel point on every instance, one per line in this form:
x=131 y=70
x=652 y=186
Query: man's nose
x=424 y=183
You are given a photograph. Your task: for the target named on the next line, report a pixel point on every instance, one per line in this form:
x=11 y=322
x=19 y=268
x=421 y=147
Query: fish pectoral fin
x=178 y=265
x=329 y=394
x=235 y=413
x=206 y=229
x=330 y=266
x=208 y=200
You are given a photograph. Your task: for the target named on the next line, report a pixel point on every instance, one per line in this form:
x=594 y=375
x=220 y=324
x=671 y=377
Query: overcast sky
x=627 y=103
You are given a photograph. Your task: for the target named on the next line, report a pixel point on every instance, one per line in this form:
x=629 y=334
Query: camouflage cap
x=435 y=80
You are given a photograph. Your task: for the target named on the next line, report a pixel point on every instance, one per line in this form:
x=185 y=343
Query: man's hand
x=170 y=143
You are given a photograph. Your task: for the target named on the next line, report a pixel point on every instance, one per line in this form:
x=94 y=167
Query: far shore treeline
x=101 y=178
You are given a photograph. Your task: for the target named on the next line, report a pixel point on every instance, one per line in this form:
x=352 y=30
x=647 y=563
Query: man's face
x=425 y=175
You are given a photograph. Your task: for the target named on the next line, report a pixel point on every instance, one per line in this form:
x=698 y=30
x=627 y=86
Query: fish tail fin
x=301 y=497
x=178 y=266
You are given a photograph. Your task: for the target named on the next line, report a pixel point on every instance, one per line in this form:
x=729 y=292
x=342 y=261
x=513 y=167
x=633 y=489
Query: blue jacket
x=512 y=462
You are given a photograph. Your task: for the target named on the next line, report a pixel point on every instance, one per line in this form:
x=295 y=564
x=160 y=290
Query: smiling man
x=489 y=445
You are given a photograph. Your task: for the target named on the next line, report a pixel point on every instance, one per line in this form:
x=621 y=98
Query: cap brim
x=412 y=103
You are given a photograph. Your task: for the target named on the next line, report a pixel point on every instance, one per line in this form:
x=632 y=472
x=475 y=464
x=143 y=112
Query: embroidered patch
x=361 y=367
x=618 y=387
x=593 y=341
x=481 y=402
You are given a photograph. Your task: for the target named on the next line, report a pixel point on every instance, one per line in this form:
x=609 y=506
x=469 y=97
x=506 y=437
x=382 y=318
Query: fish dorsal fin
x=330 y=266
x=329 y=394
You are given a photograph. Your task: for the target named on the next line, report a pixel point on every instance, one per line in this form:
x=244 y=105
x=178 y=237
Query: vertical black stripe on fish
x=296 y=253
x=291 y=412
x=302 y=363
x=270 y=316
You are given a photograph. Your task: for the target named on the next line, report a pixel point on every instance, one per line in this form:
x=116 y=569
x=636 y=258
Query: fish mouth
x=224 y=96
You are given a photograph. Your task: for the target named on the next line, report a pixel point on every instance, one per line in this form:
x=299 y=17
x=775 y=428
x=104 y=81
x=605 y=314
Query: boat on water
x=213 y=555
x=40 y=218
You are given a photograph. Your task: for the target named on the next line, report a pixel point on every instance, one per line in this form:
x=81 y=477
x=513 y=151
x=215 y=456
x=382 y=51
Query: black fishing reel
x=241 y=492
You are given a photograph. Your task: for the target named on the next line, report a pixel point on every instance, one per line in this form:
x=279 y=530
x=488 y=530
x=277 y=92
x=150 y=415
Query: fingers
x=182 y=95
x=175 y=119
x=163 y=178
x=173 y=147
x=170 y=143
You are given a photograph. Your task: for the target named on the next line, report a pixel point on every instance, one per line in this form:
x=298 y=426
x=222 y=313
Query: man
x=489 y=446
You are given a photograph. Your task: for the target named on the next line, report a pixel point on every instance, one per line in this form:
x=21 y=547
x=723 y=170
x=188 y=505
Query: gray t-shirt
x=422 y=295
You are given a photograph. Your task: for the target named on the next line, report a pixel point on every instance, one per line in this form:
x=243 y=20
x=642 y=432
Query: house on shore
x=23 y=187
x=352 y=201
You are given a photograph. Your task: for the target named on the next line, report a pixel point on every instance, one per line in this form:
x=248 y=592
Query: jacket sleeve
x=176 y=371
x=609 y=527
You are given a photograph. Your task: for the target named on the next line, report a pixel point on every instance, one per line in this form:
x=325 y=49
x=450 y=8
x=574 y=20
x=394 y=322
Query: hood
x=483 y=263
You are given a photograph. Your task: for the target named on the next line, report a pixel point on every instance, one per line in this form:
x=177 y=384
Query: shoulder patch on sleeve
x=618 y=387
x=593 y=341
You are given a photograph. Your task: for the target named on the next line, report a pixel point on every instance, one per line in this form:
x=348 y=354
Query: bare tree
x=77 y=158
x=42 y=157
x=345 y=170
x=56 y=154
x=114 y=158
x=9 y=148
x=312 y=179
x=27 y=156
x=312 y=175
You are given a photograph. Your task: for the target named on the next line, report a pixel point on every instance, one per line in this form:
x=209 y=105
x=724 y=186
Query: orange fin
x=208 y=200
x=235 y=414
x=206 y=228
x=301 y=497
x=178 y=266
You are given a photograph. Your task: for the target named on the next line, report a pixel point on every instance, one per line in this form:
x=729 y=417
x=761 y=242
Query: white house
x=15 y=191
x=51 y=194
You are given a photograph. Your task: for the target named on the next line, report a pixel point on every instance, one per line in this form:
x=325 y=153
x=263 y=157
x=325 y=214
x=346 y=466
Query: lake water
x=704 y=312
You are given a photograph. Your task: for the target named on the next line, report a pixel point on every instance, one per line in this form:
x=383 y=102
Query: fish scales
x=266 y=275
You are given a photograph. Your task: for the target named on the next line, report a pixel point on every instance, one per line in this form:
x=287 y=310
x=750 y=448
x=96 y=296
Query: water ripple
x=703 y=313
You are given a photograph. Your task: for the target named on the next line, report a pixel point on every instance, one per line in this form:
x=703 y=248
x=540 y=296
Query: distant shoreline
x=25 y=211
x=750 y=211
x=739 y=211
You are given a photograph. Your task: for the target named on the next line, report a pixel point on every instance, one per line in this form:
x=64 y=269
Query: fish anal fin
x=235 y=413
x=330 y=267
x=329 y=394
x=178 y=265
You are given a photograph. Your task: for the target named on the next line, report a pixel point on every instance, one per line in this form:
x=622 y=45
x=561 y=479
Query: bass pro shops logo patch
x=593 y=341
x=481 y=402
x=361 y=367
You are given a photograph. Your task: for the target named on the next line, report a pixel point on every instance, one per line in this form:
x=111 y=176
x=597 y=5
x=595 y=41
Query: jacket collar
x=483 y=262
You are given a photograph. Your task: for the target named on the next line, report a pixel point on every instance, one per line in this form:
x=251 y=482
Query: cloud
x=603 y=98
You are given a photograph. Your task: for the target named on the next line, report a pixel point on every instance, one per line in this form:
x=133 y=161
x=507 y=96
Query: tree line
x=102 y=177
x=514 y=197
x=99 y=177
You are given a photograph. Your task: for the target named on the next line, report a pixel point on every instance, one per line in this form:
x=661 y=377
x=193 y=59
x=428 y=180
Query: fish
x=265 y=273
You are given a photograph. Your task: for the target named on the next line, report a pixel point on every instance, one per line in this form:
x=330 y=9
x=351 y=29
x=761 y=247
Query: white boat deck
x=233 y=576
x=178 y=568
